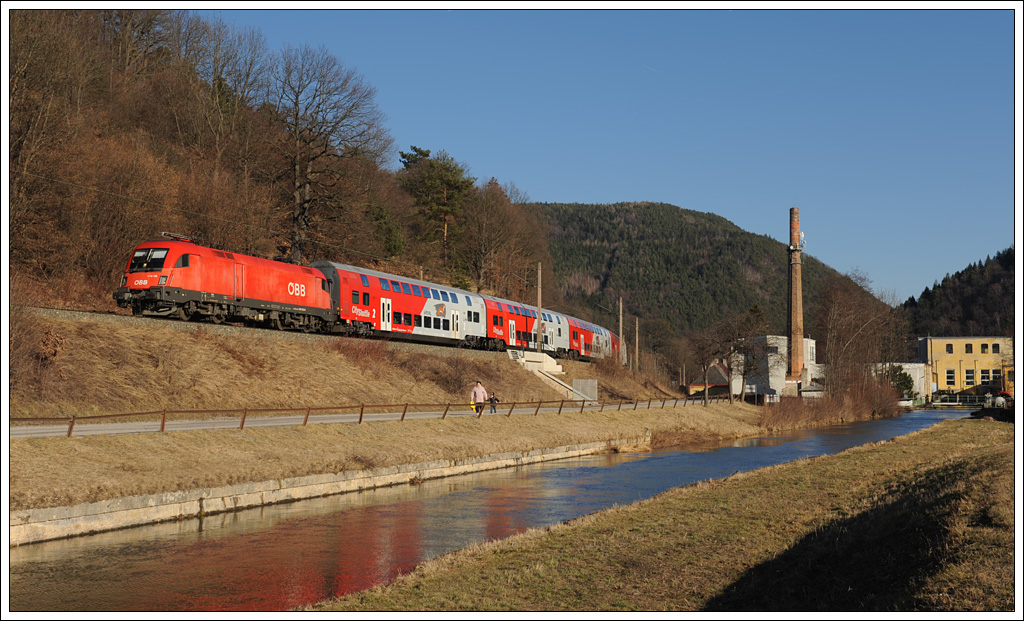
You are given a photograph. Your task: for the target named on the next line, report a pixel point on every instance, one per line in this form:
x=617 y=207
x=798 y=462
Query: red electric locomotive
x=180 y=278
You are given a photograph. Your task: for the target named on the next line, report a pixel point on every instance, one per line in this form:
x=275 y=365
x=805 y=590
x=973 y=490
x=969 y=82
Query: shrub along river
x=289 y=555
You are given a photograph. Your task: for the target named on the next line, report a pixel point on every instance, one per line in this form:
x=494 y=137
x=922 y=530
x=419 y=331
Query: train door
x=512 y=332
x=239 y=281
x=385 y=314
x=456 y=331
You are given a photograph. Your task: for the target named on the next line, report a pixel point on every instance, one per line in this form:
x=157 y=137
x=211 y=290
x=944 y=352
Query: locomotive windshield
x=148 y=260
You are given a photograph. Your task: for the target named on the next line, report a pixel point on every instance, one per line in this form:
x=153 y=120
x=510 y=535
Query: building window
x=995 y=348
x=773 y=349
x=949 y=348
x=950 y=377
x=984 y=348
x=986 y=377
x=969 y=377
x=997 y=376
x=968 y=348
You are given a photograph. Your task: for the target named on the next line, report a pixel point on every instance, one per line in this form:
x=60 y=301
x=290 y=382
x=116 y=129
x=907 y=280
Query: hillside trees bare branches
x=325 y=112
x=858 y=332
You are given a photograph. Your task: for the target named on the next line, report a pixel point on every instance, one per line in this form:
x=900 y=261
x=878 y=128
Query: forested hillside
x=128 y=123
x=976 y=301
x=684 y=269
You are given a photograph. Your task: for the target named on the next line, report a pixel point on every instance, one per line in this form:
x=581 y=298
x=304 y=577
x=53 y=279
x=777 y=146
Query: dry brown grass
x=924 y=522
x=61 y=471
x=855 y=405
x=107 y=367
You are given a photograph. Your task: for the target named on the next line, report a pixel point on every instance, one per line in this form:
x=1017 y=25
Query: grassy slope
x=105 y=366
x=112 y=366
x=924 y=522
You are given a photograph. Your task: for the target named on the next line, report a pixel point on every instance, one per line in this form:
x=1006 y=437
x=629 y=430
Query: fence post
x=446 y=410
x=602 y=406
x=480 y=412
x=620 y=405
x=538 y=408
x=636 y=404
x=361 y=406
x=404 y=410
x=561 y=404
x=649 y=401
x=583 y=404
x=244 y=413
x=306 y=419
x=71 y=425
x=509 y=415
x=163 y=421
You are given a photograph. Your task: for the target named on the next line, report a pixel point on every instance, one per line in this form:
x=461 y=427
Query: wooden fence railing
x=394 y=408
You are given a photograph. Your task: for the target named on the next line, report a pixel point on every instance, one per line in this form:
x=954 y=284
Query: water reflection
x=283 y=556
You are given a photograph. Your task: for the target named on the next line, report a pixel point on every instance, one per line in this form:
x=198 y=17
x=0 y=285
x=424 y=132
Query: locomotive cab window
x=182 y=261
x=148 y=259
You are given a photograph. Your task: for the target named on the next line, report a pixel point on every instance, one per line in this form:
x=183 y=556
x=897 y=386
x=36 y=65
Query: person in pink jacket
x=478 y=397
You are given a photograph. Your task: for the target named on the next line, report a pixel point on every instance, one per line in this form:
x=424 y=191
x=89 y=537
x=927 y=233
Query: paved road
x=92 y=428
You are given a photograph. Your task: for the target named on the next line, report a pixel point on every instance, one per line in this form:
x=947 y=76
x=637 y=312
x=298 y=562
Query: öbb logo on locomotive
x=199 y=282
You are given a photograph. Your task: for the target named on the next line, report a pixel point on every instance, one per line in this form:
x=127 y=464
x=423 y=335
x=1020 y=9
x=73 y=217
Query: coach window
x=437 y=323
x=384 y=285
x=397 y=288
x=366 y=298
x=355 y=297
x=444 y=296
x=366 y=281
x=418 y=321
x=447 y=325
x=434 y=293
x=416 y=291
x=396 y=318
x=408 y=319
x=405 y=289
x=468 y=301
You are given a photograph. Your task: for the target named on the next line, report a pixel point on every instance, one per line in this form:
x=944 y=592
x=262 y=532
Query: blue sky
x=893 y=131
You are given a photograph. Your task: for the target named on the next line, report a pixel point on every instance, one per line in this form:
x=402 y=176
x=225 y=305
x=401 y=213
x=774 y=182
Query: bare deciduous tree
x=326 y=111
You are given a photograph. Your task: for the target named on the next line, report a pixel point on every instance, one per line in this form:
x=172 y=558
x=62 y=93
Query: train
x=177 y=277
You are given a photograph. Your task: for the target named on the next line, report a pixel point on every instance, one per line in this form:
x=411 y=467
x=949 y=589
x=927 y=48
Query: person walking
x=478 y=397
x=493 y=401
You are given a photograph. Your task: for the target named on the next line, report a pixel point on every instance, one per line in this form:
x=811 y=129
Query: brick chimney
x=796 y=299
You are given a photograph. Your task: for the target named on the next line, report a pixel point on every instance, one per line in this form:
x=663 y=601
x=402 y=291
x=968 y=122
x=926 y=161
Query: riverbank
x=922 y=522
x=60 y=472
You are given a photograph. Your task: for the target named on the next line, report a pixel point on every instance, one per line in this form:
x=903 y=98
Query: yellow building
x=968 y=364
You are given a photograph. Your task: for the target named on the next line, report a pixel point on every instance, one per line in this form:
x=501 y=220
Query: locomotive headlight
x=163 y=280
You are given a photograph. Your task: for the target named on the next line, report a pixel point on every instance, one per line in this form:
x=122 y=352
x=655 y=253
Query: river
x=289 y=555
